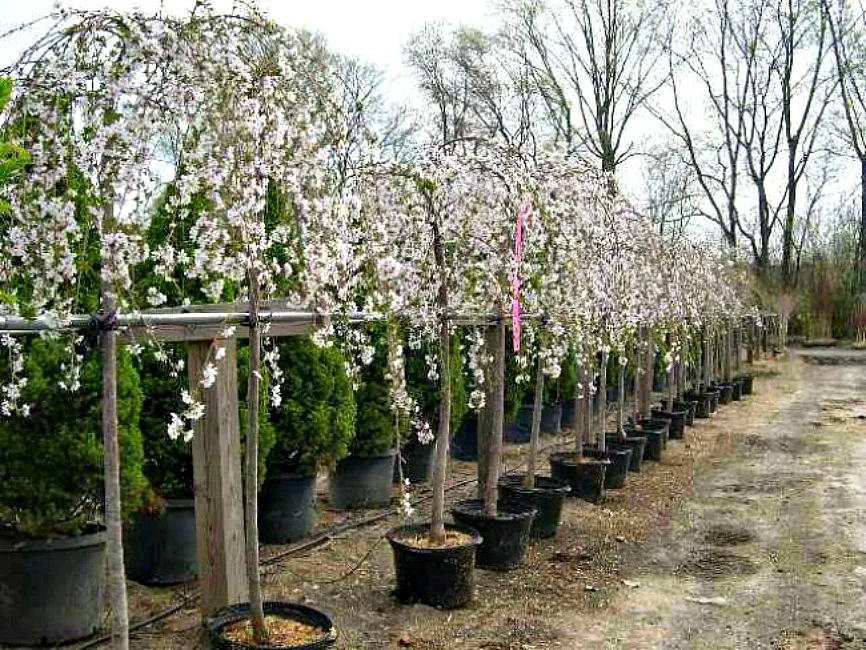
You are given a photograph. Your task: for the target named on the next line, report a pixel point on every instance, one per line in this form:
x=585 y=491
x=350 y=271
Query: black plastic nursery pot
x=551 y=418
x=617 y=472
x=655 y=441
x=287 y=508
x=520 y=430
x=659 y=424
x=216 y=625
x=703 y=406
x=160 y=547
x=748 y=383
x=546 y=497
x=417 y=461
x=715 y=396
x=726 y=393
x=689 y=407
x=51 y=591
x=737 y=383
x=439 y=577
x=464 y=444
x=677 y=421
x=362 y=482
x=634 y=441
x=584 y=475
x=505 y=536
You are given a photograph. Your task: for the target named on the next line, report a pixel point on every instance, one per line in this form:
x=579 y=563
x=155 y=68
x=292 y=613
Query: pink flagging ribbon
x=522 y=217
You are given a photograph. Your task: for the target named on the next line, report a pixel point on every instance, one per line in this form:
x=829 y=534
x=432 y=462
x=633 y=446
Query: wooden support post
x=216 y=453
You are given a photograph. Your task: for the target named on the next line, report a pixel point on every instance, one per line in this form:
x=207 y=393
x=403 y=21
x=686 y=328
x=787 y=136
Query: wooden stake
x=216 y=454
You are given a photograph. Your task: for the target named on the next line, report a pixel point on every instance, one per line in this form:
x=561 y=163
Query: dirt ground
x=750 y=534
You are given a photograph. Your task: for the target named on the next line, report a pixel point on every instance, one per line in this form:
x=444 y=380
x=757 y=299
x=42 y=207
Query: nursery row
x=416 y=271
x=319 y=420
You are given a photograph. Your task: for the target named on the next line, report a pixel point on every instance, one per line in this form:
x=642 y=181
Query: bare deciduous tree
x=594 y=65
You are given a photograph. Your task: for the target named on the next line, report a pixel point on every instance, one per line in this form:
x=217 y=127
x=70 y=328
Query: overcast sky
x=372 y=30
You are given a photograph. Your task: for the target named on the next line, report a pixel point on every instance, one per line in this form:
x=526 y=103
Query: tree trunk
x=485 y=417
x=588 y=398
x=440 y=466
x=728 y=343
x=580 y=407
x=251 y=487
x=602 y=400
x=529 y=480
x=575 y=412
x=111 y=457
x=494 y=442
x=649 y=372
x=861 y=248
x=620 y=412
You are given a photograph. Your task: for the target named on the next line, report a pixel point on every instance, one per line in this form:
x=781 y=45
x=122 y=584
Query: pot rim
x=515 y=482
x=564 y=456
x=393 y=537
x=505 y=512
x=50 y=544
x=216 y=623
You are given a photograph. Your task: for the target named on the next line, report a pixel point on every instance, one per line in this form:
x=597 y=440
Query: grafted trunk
x=529 y=479
x=251 y=485
x=494 y=443
x=485 y=417
x=602 y=399
x=620 y=414
x=440 y=466
x=111 y=458
x=580 y=411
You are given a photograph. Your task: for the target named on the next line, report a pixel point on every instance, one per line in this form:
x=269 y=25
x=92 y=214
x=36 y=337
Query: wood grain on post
x=219 y=514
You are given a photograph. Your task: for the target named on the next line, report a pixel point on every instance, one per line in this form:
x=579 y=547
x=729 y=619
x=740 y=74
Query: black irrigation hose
x=310 y=544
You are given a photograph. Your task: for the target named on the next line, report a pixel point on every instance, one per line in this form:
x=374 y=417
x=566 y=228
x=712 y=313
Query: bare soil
x=750 y=534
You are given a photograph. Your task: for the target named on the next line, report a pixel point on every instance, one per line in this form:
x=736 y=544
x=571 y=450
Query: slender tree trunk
x=706 y=359
x=251 y=489
x=729 y=339
x=861 y=231
x=529 y=479
x=494 y=442
x=671 y=381
x=602 y=399
x=575 y=412
x=588 y=398
x=440 y=467
x=111 y=456
x=637 y=389
x=485 y=417
x=620 y=412
x=580 y=402
x=649 y=374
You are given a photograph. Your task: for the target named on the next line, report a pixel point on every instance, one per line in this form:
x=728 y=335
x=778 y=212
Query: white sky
x=372 y=30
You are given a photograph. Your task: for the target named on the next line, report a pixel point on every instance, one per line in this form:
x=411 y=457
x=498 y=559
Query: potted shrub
x=160 y=538
x=363 y=479
x=313 y=428
x=52 y=548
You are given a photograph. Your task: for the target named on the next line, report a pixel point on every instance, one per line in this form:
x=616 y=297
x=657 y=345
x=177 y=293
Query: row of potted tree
x=253 y=205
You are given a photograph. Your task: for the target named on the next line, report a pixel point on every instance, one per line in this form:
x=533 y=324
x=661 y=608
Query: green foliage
x=315 y=423
x=426 y=392
x=377 y=429
x=12 y=157
x=167 y=462
x=51 y=463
